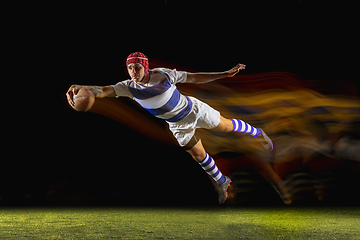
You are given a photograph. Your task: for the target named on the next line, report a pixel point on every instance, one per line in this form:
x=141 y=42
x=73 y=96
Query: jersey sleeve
x=175 y=76
x=121 y=89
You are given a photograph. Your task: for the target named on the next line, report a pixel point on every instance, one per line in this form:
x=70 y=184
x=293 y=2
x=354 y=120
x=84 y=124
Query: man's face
x=136 y=72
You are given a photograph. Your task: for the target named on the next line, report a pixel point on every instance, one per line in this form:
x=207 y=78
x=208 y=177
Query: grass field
x=180 y=223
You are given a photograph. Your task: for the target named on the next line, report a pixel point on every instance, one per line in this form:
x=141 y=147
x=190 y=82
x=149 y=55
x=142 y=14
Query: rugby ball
x=83 y=100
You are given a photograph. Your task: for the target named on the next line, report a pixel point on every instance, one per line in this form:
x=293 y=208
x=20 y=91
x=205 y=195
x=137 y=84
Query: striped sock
x=241 y=126
x=208 y=164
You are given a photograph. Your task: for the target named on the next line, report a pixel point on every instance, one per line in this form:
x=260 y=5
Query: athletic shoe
x=265 y=141
x=221 y=189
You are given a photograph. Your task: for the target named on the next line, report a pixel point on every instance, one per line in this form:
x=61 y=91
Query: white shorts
x=201 y=116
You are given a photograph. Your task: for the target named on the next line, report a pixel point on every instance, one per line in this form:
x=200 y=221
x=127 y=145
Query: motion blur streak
x=281 y=103
x=127 y=112
x=315 y=126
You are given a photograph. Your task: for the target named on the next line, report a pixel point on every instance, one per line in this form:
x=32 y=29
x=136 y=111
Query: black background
x=55 y=45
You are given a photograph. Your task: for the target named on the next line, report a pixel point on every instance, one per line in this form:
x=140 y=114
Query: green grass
x=180 y=223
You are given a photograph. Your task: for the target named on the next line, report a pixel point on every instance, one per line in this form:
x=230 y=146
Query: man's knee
x=225 y=125
x=197 y=155
x=197 y=152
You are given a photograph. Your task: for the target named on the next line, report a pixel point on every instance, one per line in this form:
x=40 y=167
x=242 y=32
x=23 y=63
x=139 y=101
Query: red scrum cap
x=138 y=57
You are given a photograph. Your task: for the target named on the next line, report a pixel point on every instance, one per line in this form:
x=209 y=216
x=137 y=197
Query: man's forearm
x=100 y=92
x=205 y=77
x=208 y=77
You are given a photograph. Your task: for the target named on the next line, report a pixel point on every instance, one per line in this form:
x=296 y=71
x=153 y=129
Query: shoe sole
x=267 y=137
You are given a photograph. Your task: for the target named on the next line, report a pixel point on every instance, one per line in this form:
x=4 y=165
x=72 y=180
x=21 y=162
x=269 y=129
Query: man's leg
x=237 y=125
x=208 y=164
x=228 y=125
x=225 y=125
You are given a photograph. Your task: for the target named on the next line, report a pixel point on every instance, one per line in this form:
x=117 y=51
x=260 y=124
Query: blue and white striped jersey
x=159 y=95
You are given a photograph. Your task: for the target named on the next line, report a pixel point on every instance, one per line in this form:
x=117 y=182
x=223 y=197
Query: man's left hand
x=232 y=72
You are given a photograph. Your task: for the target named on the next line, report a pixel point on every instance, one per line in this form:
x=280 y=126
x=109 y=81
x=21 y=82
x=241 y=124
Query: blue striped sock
x=208 y=164
x=241 y=126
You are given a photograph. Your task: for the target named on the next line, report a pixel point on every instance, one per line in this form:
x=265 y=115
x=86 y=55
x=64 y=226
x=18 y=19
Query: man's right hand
x=73 y=90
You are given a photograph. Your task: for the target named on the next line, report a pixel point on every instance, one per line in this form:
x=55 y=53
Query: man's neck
x=145 y=79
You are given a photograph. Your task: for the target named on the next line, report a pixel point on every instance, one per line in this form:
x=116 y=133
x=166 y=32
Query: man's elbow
x=108 y=91
x=190 y=78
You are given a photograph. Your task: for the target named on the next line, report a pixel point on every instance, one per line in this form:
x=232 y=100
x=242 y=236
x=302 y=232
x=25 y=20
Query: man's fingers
x=241 y=66
x=70 y=96
x=232 y=72
x=71 y=102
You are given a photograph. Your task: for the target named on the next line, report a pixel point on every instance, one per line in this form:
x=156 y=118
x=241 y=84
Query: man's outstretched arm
x=99 y=92
x=211 y=76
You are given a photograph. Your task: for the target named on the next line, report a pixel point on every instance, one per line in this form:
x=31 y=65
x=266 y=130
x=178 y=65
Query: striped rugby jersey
x=159 y=95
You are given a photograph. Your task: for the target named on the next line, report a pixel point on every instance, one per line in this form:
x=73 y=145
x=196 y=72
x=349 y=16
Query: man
x=155 y=90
